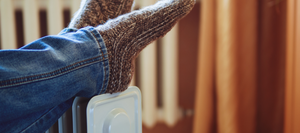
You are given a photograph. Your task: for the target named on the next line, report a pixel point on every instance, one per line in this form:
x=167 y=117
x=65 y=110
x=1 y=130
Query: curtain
x=241 y=67
x=292 y=92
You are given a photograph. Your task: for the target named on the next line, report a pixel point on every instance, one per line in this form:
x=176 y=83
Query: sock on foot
x=128 y=34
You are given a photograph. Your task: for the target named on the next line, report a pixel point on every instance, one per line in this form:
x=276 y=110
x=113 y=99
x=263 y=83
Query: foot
x=95 y=12
x=128 y=34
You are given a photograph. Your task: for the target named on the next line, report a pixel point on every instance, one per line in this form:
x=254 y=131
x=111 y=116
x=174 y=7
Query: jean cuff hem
x=104 y=54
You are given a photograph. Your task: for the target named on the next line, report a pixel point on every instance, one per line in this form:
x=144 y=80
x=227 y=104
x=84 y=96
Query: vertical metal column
x=55 y=17
x=65 y=122
x=170 y=76
x=79 y=115
x=8 y=29
x=31 y=20
x=148 y=76
x=75 y=5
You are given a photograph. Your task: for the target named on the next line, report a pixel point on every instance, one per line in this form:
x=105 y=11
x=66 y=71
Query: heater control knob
x=117 y=122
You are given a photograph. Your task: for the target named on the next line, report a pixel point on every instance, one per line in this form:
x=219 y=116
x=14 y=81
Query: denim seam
x=104 y=55
x=44 y=76
x=103 y=82
x=104 y=61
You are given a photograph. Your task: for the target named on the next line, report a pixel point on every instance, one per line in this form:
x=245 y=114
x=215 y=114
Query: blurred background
x=230 y=66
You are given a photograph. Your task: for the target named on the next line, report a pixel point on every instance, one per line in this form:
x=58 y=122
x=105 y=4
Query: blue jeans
x=39 y=81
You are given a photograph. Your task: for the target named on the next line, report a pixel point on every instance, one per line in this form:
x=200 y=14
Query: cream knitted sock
x=95 y=12
x=128 y=34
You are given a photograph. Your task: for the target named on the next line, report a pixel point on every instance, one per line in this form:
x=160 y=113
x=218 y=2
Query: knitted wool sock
x=128 y=34
x=95 y=12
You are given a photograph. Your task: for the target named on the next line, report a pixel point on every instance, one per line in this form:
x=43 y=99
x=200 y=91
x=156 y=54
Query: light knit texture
x=95 y=12
x=126 y=35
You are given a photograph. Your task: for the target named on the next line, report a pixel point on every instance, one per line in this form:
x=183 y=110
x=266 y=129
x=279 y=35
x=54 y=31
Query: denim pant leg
x=39 y=81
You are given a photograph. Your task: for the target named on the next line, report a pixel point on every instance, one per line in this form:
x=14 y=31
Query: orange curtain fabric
x=241 y=67
x=292 y=93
